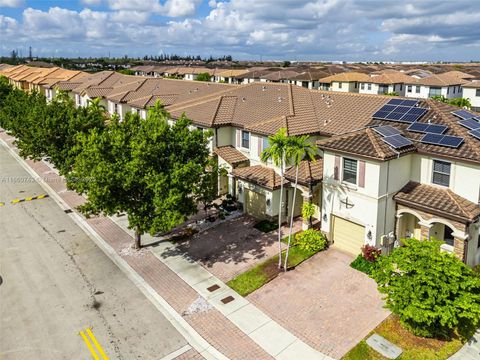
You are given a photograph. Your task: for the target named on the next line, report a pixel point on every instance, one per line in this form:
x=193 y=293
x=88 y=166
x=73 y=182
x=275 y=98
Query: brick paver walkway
x=233 y=247
x=324 y=302
x=211 y=324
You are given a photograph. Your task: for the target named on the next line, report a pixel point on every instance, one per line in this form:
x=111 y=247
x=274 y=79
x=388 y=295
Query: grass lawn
x=414 y=347
x=261 y=274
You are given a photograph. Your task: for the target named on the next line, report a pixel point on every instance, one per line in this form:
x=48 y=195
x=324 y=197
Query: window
x=369 y=86
x=339 y=85
x=418 y=89
x=401 y=87
x=435 y=91
x=441 y=173
x=448 y=90
x=115 y=108
x=477 y=92
x=350 y=171
x=245 y=139
x=409 y=88
x=265 y=144
x=362 y=86
x=356 y=85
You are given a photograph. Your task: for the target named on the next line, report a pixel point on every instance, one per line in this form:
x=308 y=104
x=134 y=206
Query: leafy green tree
x=440 y=98
x=203 y=77
x=5 y=89
x=308 y=210
x=431 y=291
x=299 y=148
x=461 y=102
x=392 y=93
x=145 y=168
x=277 y=152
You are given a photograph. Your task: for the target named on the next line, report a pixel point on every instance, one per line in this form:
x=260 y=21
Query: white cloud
x=12 y=3
x=171 y=8
x=91 y=2
x=124 y=16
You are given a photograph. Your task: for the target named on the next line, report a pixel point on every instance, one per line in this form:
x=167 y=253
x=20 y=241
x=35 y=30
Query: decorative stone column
x=397 y=226
x=460 y=245
x=424 y=230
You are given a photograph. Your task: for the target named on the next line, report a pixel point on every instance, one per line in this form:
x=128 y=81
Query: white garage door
x=348 y=236
x=255 y=204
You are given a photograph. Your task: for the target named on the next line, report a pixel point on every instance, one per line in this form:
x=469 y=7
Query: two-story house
x=446 y=85
x=392 y=82
x=423 y=182
x=344 y=82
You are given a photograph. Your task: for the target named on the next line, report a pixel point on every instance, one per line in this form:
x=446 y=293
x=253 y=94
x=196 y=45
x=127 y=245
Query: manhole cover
x=227 y=299
x=68 y=211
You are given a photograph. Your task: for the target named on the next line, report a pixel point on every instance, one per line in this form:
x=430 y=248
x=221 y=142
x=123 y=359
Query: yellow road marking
x=15 y=201
x=97 y=345
x=29 y=198
x=89 y=345
x=42 y=196
x=2 y=203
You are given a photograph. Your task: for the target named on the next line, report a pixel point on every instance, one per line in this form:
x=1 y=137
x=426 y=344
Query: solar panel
x=476 y=118
x=409 y=102
x=470 y=124
x=463 y=114
x=475 y=133
x=386 y=130
x=395 y=101
x=427 y=128
x=397 y=141
x=442 y=140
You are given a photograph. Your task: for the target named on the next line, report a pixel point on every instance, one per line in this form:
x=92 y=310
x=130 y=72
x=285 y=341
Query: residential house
x=374 y=193
x=447 y=85
x=309 y=78
x=471 y=91
x=391 y=82
x=229 y=76
x=344 y=82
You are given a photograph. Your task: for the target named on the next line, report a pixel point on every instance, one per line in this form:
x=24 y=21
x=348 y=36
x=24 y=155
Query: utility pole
x=30 y=52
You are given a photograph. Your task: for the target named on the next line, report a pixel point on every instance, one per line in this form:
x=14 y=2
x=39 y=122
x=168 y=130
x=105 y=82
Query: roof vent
x=279 y=99
x=264 y=88
x=243 y=99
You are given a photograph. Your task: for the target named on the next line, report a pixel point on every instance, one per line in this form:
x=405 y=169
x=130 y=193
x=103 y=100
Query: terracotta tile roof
x=260 y=175
x=230 y=155
x=392 y=78
x=310 y=75
x=280 y=75
x=364 y=143
x=441 y=80
x=368 y=143
x=473 y=84
x=442 y=201
x=258 y=73
x=264 y=108
x=346 y=77
x=231 y=73
x=309 y=172
x=459 y=74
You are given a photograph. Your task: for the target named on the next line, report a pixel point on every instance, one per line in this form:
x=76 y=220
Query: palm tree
x=277 y=152
x=299 y=148
x=95 y=105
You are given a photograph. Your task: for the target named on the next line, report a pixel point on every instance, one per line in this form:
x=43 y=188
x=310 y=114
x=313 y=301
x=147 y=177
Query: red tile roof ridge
x=375 y=144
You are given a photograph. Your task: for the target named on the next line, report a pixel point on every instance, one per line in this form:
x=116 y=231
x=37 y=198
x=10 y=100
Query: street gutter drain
x=213 y=288
x=68 y=211
x=227 y=299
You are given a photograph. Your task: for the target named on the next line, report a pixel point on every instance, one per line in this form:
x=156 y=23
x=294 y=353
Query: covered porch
x=425 y=211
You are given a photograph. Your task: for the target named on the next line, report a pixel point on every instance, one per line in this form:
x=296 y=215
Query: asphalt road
x=55 y=282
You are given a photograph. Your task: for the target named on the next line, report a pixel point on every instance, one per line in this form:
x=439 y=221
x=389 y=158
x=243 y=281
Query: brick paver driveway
x=232 y=247
x=324 y=302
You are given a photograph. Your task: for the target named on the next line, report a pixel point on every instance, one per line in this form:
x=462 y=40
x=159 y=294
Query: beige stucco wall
x=471 y=93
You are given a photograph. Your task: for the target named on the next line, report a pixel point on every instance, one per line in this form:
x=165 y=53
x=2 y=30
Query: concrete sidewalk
x=229 y=324
x=469 y=351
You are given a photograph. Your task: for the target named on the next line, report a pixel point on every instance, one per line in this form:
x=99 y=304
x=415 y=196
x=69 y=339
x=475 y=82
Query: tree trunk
x=285 y=266
x=280 y=207
x=137 y=245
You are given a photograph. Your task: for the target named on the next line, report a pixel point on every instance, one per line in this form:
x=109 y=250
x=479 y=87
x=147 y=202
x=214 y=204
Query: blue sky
x=347 y=30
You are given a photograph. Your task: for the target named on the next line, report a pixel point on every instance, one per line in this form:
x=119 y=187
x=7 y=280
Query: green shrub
x=432 y=292
x=311 y=240
x=363 y=265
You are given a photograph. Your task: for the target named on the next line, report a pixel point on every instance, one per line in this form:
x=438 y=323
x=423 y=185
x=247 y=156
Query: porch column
x=460 y=245
x=424 y=230
x=231 y=184
x=397 y=226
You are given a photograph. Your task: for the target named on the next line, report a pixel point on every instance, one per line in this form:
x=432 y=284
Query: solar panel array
x=392 y=136
x=443 y=140
x=470 y=121
x=400 y=110
x=427 y=128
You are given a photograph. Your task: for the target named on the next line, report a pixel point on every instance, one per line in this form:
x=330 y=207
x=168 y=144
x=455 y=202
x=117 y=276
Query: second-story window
x=418 y=89
x=369 y=86
x=349 y=170
x=441 y=173
x=362 y=86
x=339 y=85
x=477 y=92
x=409 y=88
x=245 y=139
